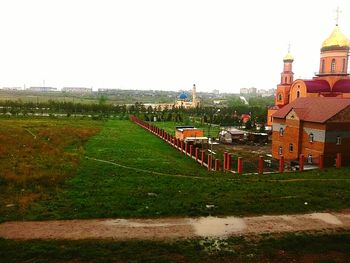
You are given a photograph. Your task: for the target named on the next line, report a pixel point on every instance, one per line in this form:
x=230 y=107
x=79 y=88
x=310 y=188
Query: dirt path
x=171 y=228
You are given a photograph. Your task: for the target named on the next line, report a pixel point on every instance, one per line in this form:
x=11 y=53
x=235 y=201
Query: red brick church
x=312 y=116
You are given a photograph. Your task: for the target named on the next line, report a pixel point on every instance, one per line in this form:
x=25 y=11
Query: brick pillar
x=228 y=161
x=281 y=165
x=197 y=153
x=321 y=162
x=209 y=162
x=301 y=162
x=224 y=161
x=239 y=165
x=216 y=164
x=202 y=159
x=261 y=165
x=191 y=150
x=338 y=162
x=186 y=148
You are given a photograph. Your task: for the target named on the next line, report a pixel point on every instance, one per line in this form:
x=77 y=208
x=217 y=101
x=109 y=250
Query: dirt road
x=172 y=228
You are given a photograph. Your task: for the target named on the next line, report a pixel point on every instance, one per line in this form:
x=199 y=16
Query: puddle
x=327 y=218
x=214 y=226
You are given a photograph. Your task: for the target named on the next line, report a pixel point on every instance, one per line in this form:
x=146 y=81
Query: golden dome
x=288 y=57
x=337 y=38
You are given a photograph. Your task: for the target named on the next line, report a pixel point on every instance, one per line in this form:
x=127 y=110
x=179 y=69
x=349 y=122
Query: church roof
x=336 y=39
x=342 y=85
x=317 y=86
x=318 y=109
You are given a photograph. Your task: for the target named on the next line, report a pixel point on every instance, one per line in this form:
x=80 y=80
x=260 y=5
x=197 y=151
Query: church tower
x=334 y=56
x=282 y=93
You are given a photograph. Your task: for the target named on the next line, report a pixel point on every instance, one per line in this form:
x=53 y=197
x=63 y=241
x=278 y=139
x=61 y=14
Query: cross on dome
x=337 y=11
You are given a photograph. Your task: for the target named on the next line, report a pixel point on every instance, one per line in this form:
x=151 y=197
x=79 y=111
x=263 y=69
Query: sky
x=162 y=44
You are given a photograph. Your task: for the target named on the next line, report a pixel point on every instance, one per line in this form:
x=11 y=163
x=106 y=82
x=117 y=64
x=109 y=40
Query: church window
x=338 y=140
x=322 y=66
x=280 y=150
x=298 y=94
x=290 y=79
x=279 y=96
x=333 y=65
x=291 y=147
x=281 y=131
x=344 y=61
x=285 y=80
x=311 y=137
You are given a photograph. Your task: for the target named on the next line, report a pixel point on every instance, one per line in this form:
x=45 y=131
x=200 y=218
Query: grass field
x=37 y=155
x=129 y=186
x=333 y=247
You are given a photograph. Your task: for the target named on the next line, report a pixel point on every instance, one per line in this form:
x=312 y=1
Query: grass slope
x=104 y=190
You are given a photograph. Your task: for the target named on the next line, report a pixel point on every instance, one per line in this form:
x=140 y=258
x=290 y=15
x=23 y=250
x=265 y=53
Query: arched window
x=285 y=80
x=298 y=94
x=322 y=66
x=290 y=79
x=291 y=148
x=311 y=137
x=280 y=150
x=338 y=142
x=344 y=68
x=333 y=65
x=309 y=159
x=279 y=96
x=281 y=131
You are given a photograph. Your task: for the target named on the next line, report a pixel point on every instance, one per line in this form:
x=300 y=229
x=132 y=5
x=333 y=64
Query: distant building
x=243 y=91
x=252 y=90
x=42 y=89
x=80 y=90
x=184 y=101
x=216 y=92
x=12 y=88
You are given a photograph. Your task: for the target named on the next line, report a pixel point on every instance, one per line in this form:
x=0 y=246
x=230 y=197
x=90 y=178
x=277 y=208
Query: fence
x=236 y=164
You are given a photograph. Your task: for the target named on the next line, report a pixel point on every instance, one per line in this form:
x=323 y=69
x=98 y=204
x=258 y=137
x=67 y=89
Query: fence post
x=321 y=163
x=191 y=150
x=281 y=164
x=301 y=162
x=216 y=164
x=209 y=162
x=338 y=162
x=202 y=159
x=261 y=165
x=228 y=162
x=239 y=165
x=182 y=145
x=224 y=160
x=186 y=148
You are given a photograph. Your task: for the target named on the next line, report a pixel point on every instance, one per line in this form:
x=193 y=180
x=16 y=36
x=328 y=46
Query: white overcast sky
x=162 y=44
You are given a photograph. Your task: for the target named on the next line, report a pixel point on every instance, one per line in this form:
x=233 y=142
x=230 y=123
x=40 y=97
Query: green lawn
x=285 y=248
x=102 y=189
